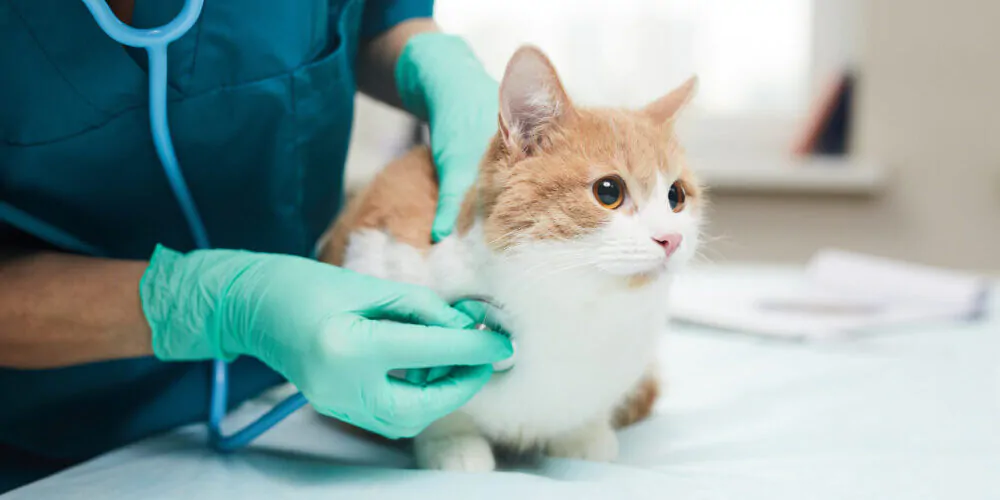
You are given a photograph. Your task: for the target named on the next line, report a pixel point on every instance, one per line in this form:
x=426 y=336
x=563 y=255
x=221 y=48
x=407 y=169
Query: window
x=759 y=62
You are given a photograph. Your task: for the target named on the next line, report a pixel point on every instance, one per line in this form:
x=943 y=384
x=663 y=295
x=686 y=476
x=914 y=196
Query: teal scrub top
x=261 y=99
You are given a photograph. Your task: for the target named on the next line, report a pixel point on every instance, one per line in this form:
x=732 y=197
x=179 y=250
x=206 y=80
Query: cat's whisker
x=563 y=254
x=709 y=238
x=512 y=232
x=710 y=253
x=549 y=270
x=703 y=255
x=552 y=271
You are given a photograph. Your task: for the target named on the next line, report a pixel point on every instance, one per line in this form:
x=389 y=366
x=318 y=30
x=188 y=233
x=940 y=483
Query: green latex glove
x=480 y=313
x=440 y=80
x=333 y=333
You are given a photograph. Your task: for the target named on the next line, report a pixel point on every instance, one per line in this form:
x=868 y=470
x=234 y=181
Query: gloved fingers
x=414 y=346
x=480 y=313
x=458 y=168
x=418 y=306
x=425 y=404
x=456 y=175
x=446 y=216
x=424 y=376
x=372 y=423
x=418 y=376
x=389 y=430
x=392 y=430
x=437 y=373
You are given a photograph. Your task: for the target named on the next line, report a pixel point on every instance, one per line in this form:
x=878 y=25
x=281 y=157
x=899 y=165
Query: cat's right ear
x=668 y=107
x=532 y=101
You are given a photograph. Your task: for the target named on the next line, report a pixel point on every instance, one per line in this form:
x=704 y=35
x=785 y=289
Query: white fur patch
x=458 y=453
x=366 y=253
x=375 y=253
x=584 y=339
x=454 y=444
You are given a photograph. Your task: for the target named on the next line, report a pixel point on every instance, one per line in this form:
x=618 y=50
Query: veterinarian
x=107 y=312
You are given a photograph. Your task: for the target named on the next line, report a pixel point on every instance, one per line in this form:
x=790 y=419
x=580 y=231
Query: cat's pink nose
x=669 y=242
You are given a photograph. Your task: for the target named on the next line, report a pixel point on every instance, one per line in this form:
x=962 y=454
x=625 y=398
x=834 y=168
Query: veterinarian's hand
x=439 y=79
x=333 y=333
x=479 y=313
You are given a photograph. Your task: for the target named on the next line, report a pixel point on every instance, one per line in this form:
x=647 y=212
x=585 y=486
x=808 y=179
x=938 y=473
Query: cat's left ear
x=668 y=107
x=533 y=102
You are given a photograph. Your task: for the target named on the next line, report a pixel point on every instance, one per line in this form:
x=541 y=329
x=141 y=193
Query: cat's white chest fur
x=583 y=340
x=579 y=352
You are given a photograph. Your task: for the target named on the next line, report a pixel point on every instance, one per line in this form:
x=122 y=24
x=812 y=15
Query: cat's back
x=398 y=205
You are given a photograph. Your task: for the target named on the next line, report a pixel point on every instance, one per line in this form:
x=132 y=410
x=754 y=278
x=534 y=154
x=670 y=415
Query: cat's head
x=604 y=189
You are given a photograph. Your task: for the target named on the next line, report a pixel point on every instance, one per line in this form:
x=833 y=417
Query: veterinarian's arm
x=377 y=59
x=436 y=77
x=58 y=309
x=333 y=333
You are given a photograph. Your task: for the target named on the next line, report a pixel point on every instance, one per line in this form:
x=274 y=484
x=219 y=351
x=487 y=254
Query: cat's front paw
x=460 y=453
x=595 y=442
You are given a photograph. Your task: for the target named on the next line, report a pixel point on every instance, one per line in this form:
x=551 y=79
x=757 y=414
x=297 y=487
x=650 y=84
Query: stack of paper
x=841 y=293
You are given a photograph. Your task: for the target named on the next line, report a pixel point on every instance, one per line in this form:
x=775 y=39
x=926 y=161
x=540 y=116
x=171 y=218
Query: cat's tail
x=639 y=402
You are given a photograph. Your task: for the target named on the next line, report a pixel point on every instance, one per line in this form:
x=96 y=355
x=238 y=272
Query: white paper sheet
x=840 y=294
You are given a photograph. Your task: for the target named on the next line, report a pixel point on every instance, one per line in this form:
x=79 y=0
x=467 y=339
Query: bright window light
x=753 y=57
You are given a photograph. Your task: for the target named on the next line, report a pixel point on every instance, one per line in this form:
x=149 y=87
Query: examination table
x=908 y=413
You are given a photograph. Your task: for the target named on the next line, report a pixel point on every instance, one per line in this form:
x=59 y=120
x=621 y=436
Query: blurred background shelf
x=818 y=175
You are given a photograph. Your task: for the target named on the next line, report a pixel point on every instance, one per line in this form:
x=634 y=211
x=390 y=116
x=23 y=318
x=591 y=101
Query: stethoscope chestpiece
x=499 y=366
x=507 y=364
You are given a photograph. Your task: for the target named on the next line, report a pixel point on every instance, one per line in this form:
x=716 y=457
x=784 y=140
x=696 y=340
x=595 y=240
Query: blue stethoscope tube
x=155 y=41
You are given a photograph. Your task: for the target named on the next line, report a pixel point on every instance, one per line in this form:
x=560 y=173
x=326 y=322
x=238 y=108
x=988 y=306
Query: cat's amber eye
x=610 y=191
x=677 y=196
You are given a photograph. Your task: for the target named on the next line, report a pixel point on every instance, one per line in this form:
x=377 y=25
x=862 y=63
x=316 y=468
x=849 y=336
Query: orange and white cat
x=577 y=222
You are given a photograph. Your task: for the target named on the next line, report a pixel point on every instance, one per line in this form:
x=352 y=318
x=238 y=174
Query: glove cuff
x=181 y=313
x=429 y=57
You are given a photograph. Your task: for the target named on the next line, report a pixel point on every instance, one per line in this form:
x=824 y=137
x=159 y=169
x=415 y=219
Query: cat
x=577 y=222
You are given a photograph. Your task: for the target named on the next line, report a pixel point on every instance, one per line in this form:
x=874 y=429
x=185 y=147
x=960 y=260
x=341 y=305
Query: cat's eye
x=677 y=197
x=610 y=191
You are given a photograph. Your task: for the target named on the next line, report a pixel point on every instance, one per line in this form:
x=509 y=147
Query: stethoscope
x=155 y=41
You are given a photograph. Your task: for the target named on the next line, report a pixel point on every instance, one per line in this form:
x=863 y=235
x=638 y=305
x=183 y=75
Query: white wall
x=929 y=108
